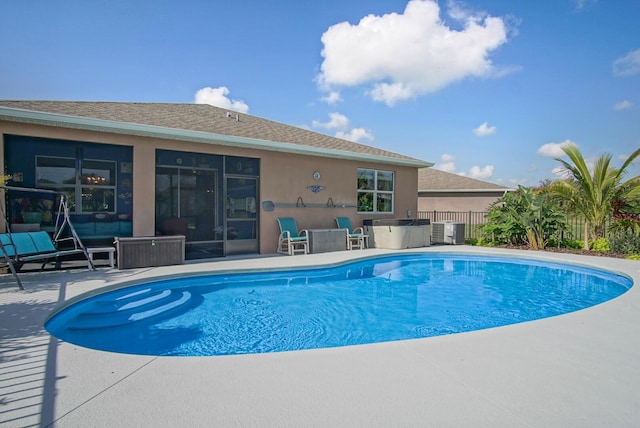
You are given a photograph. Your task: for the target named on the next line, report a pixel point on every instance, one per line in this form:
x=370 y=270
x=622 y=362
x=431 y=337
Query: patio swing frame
x=63 y=221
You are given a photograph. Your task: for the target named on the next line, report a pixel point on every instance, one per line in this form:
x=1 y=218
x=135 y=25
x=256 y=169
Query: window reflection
x=96 y=186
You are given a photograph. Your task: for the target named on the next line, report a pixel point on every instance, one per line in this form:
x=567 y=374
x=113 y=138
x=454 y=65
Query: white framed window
x=375 y=191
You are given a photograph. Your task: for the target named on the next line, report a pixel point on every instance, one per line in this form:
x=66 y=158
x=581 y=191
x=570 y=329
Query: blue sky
x=486 y=88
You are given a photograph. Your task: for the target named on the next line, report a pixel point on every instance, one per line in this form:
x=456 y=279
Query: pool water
x=372 y=300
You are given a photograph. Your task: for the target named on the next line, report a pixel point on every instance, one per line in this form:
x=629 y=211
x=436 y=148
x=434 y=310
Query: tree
x=592 y=194
x=527 y=216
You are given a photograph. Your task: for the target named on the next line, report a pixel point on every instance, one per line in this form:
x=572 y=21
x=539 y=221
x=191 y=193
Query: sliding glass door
x=210 y=199
x=241 y=218
x=187 y=204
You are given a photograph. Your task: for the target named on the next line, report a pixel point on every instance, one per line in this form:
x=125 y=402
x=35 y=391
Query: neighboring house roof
x=194 y=122
x=433 y=180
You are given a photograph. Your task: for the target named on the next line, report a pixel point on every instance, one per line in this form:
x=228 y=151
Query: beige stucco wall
x=475 y=202
x=283 y=178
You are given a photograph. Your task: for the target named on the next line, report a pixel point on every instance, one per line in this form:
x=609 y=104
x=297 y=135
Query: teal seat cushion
x=42 y=242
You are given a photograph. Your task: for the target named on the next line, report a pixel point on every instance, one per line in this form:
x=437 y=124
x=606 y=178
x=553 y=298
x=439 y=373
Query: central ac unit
x=447 y=232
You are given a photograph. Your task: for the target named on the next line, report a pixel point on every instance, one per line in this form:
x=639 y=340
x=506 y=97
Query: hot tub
x=397 y=234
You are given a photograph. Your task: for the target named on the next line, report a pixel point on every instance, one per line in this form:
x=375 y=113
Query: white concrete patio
x=576 y=370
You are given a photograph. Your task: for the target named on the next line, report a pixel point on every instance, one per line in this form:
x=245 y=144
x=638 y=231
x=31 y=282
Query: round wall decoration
x=316 y=175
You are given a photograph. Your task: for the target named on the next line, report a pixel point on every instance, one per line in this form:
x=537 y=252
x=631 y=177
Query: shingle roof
x=202 y=118
x=430 y=179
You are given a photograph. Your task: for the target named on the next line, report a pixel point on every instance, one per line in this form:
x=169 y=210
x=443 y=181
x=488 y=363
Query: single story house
x=446 y=192
x=218 y=177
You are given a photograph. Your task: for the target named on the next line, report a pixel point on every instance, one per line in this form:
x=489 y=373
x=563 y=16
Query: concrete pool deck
x=576 y=370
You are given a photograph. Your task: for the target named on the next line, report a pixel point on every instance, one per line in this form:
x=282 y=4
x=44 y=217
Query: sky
x=489 y=89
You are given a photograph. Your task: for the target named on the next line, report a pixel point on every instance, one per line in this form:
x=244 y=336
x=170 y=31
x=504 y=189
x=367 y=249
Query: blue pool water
x=367 y=301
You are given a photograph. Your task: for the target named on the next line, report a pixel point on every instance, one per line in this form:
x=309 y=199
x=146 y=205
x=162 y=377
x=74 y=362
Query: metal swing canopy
x=22 y=247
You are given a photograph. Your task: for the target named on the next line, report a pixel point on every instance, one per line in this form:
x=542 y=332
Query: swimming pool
x=366 y=301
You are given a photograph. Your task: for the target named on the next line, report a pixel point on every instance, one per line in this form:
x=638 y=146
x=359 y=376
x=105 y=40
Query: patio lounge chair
x=355 y=237
x=290 y=240
x=22 y=247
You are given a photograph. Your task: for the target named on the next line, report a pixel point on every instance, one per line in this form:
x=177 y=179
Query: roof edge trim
x=506 y=189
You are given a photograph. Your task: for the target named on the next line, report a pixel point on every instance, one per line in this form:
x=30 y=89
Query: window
x=58 y=174
x=98 y=186
x=95 y=189
x=55 y=172
x=375 y=191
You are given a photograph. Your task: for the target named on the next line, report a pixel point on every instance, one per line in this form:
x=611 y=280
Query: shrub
x=600 y=244
x=566 y=243
x=575 y=244
x=625 y=242
x=526 y=216
x=633 y=257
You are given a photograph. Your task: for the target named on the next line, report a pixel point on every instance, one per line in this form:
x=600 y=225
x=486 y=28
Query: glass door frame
x=244 y=245
x=183 y=172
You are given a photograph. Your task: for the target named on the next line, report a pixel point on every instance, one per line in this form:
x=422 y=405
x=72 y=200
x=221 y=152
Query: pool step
x=129 y=301
x=146 y=305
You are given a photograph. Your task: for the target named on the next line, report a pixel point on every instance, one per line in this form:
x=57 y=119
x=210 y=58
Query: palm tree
x=592 y=194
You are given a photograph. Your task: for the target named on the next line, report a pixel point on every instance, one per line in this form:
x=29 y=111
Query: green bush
x=481 y=242
x=526 y=216
x=625 y=242
x=566 y=243
x=575 y=244
x=633 y=257
x=600 y=244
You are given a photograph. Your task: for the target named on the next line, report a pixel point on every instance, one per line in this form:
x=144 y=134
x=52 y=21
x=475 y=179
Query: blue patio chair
x=22 y=247
x=356 y=238
x=291 y=240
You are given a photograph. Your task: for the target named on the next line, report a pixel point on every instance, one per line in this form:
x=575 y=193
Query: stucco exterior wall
x=284 y=177
x=475 y=202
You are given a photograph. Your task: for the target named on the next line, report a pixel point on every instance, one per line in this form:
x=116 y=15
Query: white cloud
x=446 y=163
x=624 y=156
x=628 y=65
x=340 y=123
x=481 y=172
x=446 y=157
x=484 y=130
x=336 y=121
x=446 y=166
x=461 y=13
x=553 y=150
x=218 y=97
x=581 y=4
x=332 y=97
x=356 y=134
x=623 y=105
x=404 y=55
x=561 y=172
x=514 y=182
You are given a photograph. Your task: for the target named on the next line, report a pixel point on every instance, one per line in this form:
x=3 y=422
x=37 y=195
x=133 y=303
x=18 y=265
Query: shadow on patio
x=28 y=354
